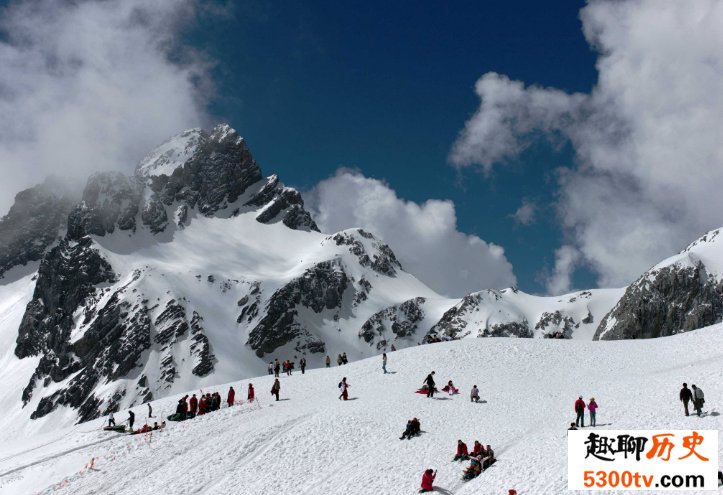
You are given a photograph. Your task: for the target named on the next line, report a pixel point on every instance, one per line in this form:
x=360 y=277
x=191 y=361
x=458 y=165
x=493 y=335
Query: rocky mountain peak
x=172 y=153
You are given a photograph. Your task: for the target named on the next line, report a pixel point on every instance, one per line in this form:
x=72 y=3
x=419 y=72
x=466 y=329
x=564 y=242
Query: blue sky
x=398 y=91
x=386 y=87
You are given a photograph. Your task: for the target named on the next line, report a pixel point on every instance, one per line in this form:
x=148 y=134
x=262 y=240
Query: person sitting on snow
x=474 y=394
x=407 y=431
x=489 y=459
x=449 y=388
x=479 y=450
x=473 y=470
x=462 y=452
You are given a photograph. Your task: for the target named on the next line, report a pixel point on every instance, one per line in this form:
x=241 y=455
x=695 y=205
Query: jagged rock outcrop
x=665 y=301
x=110 y=200
x=401 y=319
x=461 y=320
x=383 y=261
x=320 y=287
x=35 y=221
x=274 y=197
x=560 y=323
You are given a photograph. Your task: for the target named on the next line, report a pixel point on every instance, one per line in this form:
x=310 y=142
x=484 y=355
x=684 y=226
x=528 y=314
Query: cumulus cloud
x=525 y=214
x=423 y=236
x=93 y=85
x=647 y=138
x=559 y=281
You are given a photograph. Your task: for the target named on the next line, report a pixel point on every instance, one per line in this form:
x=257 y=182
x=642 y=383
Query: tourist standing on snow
x=250 y=395
x=328 y=362
x=685 y=396
x=111 y=419
x=393 y=348
x=592 y=407
x=338 y=360
x=462 y=452
x=288 y=367
x=277 y=368
x=343 y=386
x=131 y=419
x=275 y=389
x=271 y=367
x=231 y=396
x=474 y=394
x=580 y=410
x=427 y=479
x=698 y=399
x=302 y=363
x=150 y=410
x=384 y=362
x=194 y=406
x=430 y=383
x=344 y=359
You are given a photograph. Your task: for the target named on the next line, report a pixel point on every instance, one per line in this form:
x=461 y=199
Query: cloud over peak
x=423 y=236
x=93 y=85
x=647 y=138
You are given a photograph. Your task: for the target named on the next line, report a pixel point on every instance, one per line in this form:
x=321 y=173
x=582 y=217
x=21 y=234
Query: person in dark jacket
x=131 y=419
x=150 y=410
x=698 y=399
x=407 y=431
x=275 y=389
x=231 y=396
x=277 y=368
x=462 y=452
x=430 y=383
x=580 y=410
x=685 y=397
x=302 y=363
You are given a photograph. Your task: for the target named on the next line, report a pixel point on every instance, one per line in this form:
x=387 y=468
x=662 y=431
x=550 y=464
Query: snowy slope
x=310 y=442
x=172 y=153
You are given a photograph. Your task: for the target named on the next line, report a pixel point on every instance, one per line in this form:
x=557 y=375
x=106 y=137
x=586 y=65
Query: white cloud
x=648 y=137
x=560 y=280
x=525 y=214
x=93 y=85
x=424 y=237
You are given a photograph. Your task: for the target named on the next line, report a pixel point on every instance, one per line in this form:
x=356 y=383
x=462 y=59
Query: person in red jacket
x=231 y=396
x=427 y=479
x=288 y=367
x=479 y=450
x=251 y=392
x=194 y=406
x=580 y=410
x=202 y=406
x=462 y=452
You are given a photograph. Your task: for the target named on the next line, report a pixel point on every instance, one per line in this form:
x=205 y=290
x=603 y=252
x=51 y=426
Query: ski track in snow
x=314 y=443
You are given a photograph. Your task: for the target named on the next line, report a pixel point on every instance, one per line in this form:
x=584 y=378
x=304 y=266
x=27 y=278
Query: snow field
x=314 y=443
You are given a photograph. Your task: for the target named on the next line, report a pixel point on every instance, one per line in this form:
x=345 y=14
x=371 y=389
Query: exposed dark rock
x=401 y=319
x=383 y=261
x=322 y=286
x=154 y=215
x=110 y=199
x=588 y=319
x=564 y=324
x=455 y=320
x=200 y=348
x=363 y=293
x=663 y=302
x=34 y=222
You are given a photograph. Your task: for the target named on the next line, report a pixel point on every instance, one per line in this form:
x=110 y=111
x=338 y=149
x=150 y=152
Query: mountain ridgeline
x=198 y=270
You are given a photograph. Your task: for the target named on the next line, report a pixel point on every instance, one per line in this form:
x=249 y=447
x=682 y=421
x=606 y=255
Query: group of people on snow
x=580 y=411
x=342 y=359
x=480 y=459
x=696 y=395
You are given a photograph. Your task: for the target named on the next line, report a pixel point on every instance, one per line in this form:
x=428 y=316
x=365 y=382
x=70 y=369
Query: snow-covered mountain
x=198 y=270
x=682 y=293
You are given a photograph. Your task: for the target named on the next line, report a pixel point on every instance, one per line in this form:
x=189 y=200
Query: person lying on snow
x=427 y=479
x=424 y=390
x=449 y=388
x=462 y=452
